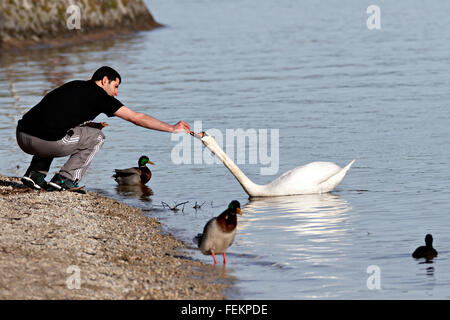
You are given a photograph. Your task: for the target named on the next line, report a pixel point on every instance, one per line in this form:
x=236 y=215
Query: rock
x=25 y=23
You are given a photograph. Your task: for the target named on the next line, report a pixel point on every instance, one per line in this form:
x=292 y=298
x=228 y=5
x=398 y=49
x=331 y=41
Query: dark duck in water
x=134 y=176
x=219 y=232
x=427 y=251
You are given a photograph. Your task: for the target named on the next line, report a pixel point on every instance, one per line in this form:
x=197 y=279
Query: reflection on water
x=305 y=234
x=310 y=203
x=141 y=192
x=307 y=214
x=56 y=71
x=307 y=227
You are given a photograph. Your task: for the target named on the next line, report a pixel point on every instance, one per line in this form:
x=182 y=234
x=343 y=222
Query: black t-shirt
x=67 y=107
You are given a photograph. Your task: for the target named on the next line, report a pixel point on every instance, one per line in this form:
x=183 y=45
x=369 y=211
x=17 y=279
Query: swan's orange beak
x=197 y=135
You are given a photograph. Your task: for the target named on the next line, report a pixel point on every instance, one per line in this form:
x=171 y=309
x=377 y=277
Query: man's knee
x=94 y=137
x=101 y=136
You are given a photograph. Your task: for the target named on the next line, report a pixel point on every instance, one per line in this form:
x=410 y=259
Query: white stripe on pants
x=81 y=146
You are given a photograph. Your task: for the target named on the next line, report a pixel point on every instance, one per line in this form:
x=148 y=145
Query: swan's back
x=313 y=173
x=314 y=177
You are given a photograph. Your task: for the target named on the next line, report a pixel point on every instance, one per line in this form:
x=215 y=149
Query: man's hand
x=181 y=126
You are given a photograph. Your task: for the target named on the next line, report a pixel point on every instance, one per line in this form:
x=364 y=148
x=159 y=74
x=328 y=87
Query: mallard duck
x=219 y=232
x=427 y=251
x=134 y=176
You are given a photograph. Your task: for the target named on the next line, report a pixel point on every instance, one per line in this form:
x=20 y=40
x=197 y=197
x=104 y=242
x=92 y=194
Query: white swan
x=313 y=178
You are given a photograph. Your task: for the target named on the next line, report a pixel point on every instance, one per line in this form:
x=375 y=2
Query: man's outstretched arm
x=146 y=121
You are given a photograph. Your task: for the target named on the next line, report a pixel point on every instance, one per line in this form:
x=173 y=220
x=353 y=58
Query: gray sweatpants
x=81 y=146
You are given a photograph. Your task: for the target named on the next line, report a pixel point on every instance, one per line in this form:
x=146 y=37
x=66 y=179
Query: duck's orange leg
x=214 y=257
x=224 y=258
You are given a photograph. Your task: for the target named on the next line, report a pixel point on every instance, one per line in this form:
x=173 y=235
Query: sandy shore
x=65 y=245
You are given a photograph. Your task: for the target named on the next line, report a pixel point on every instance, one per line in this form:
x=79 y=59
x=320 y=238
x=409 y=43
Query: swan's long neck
x=249 y=186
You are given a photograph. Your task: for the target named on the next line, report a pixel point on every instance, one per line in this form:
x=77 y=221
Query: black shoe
x=59 y=182
x=35 y=180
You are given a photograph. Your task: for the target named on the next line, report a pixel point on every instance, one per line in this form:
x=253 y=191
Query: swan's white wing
x=330 y=183
x=314 y=177
x=304 y=179
x=311 y=173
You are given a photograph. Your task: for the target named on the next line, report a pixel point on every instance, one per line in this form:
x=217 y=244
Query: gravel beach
x=66 y=245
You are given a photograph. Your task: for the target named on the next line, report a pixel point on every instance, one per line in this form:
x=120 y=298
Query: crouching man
x=55 y=128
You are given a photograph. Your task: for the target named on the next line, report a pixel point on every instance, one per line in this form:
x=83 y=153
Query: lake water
x=334 y=89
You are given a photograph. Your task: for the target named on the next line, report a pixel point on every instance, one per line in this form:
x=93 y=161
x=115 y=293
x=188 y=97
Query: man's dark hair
x=109 y=72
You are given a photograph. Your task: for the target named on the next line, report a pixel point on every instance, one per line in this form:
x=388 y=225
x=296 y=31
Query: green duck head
x=143 y=160
x=235 y=207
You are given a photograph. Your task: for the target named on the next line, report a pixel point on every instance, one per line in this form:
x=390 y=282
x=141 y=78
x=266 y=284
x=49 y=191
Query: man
x=54 y=128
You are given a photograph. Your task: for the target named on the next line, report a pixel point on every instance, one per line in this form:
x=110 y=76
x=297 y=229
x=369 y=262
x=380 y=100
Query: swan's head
x=207 y=139
x=204 y=137
x=199 y=135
